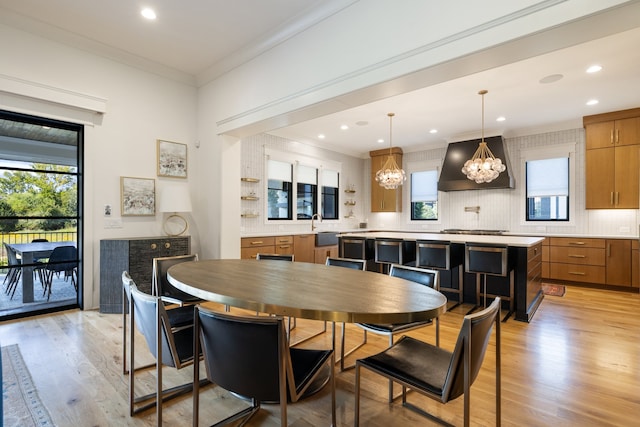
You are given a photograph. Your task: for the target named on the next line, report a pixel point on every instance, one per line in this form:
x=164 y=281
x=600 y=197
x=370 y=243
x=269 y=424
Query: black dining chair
x=249 y=357
x=63 y=259
x=14 y=272
x=170 y=346
x=437 y=373
x=160 y=285
x=423 y=276
x=277 y=257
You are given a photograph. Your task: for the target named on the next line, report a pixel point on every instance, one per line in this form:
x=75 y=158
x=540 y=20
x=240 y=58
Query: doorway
x=40 y=215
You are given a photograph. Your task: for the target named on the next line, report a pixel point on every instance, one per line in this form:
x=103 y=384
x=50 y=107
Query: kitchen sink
x=326 y=238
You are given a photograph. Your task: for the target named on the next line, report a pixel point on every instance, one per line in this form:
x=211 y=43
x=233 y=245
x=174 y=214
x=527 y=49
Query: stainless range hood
x=451 y=176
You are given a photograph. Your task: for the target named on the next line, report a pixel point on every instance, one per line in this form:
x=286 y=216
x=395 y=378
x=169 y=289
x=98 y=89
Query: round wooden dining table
x=309 y=291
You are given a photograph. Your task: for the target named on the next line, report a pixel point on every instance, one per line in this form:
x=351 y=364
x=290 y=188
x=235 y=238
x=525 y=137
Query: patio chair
x=14 y=271
x=62 y=259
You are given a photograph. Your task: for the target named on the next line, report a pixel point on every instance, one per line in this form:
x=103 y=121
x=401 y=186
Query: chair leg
x=344 y=355
x=356 y=414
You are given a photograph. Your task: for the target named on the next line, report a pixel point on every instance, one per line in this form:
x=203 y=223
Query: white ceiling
x=190 y=41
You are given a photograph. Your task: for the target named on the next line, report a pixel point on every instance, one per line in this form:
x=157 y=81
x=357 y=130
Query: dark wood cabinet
x=134 y=255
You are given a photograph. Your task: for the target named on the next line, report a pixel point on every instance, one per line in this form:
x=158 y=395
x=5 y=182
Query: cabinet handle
x=617 y=198
x=578 y=273
x=611 y=136
x=154 y=246
x=284 y=246
x=576 y=256
x=608 y=250
x=617 y=136
x=257 y=242
x=283 y=240
x=611 y=199
x=167 y=245
x=576 y=243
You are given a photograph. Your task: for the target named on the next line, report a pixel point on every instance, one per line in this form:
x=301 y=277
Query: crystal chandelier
x=483 y=166
x=391 y=176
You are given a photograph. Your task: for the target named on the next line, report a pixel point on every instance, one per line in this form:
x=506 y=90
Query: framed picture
x=172 y=159
x=138 y=196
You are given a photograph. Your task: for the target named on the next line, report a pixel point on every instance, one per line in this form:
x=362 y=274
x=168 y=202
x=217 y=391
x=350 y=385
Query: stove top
x=478 y=232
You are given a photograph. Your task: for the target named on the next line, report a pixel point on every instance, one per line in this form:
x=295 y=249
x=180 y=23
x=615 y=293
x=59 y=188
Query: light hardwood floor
x=576 y=364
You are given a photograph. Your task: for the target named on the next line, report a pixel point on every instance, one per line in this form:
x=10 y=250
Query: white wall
x=141 y=107
x=503 y=209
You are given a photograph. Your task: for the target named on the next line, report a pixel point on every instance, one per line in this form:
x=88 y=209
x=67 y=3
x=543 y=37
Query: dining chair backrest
x=160 y=285
x=278 y=257
x=355 y=264
x=12 y=258
x=423 y=276
x=145 y=309
x=244 y=355
x=471 y=347
x=63 y=258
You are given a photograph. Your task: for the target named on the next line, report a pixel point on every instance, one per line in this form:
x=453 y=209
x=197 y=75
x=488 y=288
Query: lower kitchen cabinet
x=303 y=246
x=135 y=256
x=322 y=252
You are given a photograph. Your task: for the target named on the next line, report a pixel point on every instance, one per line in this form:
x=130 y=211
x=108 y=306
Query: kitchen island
x=524 y=255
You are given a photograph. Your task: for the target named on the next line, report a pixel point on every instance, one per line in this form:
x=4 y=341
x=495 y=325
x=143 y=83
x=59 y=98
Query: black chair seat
x=417 y=363
x=180 y=316
x=306 y=363
x=394 y=327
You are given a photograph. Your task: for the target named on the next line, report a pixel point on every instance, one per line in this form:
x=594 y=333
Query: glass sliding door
x=40 y=215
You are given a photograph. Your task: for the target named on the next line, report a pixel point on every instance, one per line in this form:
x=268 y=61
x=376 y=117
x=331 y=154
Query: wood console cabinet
x=135 y=256
x=613 y=160
x=383 y=200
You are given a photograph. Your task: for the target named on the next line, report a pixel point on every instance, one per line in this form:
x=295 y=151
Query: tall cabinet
x=613 y=160
x=383 y=200
x=136 y=257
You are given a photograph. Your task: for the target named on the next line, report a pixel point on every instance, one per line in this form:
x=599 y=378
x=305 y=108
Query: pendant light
x=391 y=176
x=483 y=166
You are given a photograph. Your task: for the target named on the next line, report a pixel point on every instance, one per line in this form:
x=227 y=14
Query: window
x=547 y=189
x=424 y=195
x=279 y=188
x=330 y=194
x=307 y=195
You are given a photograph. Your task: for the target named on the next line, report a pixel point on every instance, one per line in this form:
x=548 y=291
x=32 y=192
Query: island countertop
x=509 y=240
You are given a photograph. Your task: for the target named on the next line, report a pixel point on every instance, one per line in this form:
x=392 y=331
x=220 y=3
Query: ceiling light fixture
x=391 y=176
x=148 y=13
x=594 y=69
x=592 y=102
x=483 y=166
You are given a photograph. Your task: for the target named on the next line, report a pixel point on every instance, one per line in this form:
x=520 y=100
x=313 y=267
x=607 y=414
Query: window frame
x=422 y=166
x=567 y=150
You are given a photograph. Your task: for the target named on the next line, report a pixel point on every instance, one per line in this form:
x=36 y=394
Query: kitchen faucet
x=314 y=216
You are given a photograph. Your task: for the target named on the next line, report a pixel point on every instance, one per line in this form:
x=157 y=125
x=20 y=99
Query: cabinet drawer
x=250 y=253
x=252 y=242
x=578 y=273
x=578 y=255
x=577 y=242
x=283 y=240
x=534 y=254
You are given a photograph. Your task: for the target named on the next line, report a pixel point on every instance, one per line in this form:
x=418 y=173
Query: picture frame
x=172 y=159
x=137 y=196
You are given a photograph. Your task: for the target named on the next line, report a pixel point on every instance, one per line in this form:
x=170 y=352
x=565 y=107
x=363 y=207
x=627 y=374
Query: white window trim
x=420 y=166
x=296 y=160
x=541 y=153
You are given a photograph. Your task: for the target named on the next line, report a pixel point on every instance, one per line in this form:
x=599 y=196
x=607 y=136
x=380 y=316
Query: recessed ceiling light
x=592 y=102
x=552 y=78
x=148 y=13
x=344 y=127
x=380 y=141
x=594 y=69
x=501 y=119
x=433 y=131
x=321 y=135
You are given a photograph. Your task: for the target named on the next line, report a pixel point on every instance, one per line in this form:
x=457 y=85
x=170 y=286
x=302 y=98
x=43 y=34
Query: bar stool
x=393 y=251
x=356 y=248
x=442 y=255
x=486 y=259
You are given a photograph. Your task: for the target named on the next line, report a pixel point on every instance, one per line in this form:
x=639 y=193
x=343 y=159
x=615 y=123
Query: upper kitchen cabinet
x=383 y=200
x=613 y=160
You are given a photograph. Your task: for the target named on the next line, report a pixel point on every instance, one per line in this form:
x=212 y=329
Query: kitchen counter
x=503 y=239
x=524 y=253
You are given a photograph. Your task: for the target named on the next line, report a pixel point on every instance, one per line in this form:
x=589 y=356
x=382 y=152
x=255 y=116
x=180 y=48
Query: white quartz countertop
x=521 y=241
